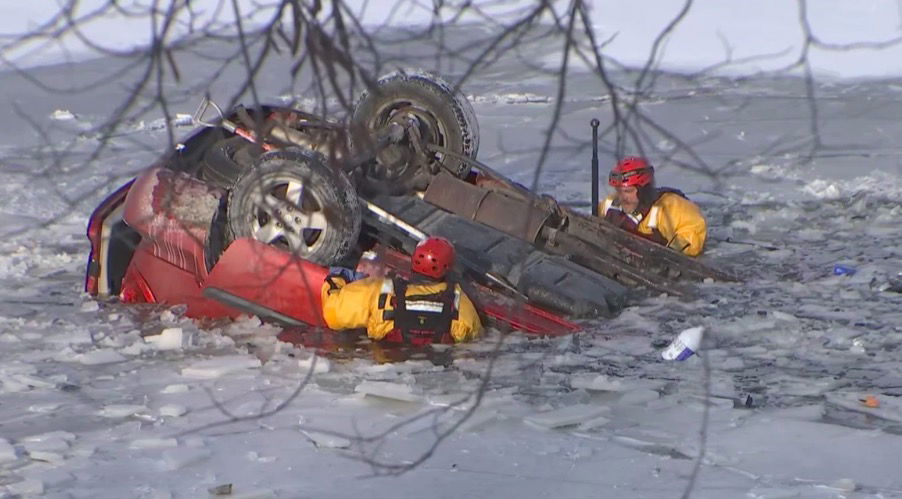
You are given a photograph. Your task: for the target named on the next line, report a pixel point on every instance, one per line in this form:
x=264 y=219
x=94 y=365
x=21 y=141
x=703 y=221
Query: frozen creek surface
x=772 y=406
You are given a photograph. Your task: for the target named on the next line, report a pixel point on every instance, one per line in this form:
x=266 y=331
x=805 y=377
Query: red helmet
x=632 y=171
x=433 y=257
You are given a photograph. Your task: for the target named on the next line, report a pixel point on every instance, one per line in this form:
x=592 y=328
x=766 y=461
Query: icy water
x=788 y=355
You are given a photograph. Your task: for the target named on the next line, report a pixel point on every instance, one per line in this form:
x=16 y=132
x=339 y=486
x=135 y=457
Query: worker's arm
x=467 y=325
x=347 y=306
x=682 y=224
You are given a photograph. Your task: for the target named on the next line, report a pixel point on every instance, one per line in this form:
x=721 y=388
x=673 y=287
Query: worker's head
x=433 y=257
x=634 y=180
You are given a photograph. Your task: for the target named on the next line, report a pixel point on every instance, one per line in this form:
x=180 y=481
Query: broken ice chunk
x=171 y=338
x=179 y=458
x=47 y=456
x=51 y=435
x=325 y=440
x=45 y=445
x=173 y=410
x=567 y=416
x=98 y=357
x=317 y=363
x=26 y=488
x=90 y=306
x=385 y=389
x=844 y=485
x=121 y=410
x=479 y=419
x=7 y=451
x=177 y=388
x=153 y=443
x=599 y=383
x=638 y=397
x=594 y=423
x=62 y=115
x=220 y=366
x=252 y=494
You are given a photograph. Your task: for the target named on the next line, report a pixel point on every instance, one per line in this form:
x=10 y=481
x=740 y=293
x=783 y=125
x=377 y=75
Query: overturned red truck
x=247 y=213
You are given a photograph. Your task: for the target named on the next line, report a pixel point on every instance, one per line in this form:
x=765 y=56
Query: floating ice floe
x=62 y=115
x=567 y=416
x=47 y=456
x=591 y=424
x=182 y=457
x=52 y=445
x=385 y=389
x=153 y=443
x=171 y=338
x=90 y=306
x=774 y=493
x=638 y=397
x=604 y=383
x=7 y=451
x=122 y=410
x=256 y=457
x=176 y=388
x=654 y=442
x=98 y=357
x=220 y=366
x=173 y=410
x=479 y=419
x=733 y=364
x=21 y=382
x=319 y=364
x=855 y=409
x=252 y=494
x=326 y=441
x=26 y=488
x=44 y=408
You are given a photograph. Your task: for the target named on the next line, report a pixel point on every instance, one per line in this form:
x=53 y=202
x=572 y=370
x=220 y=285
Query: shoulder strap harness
x=420 y=319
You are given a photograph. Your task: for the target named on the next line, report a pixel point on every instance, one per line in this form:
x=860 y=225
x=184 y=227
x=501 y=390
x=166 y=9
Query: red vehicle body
x=149 y=245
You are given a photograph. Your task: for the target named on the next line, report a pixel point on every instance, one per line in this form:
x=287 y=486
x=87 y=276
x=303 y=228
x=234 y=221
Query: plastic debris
x=221 y=490
x=843 y=269
x=870 y=401
x=685 y=344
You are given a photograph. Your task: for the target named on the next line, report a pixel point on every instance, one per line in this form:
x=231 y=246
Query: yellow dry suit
x=671 y=220
x=426 y=311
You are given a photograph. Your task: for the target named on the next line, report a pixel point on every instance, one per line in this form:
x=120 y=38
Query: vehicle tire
x=227 y=159
x=445 y=117
x=292 y=200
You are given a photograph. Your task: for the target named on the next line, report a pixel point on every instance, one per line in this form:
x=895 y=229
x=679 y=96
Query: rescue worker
x=664 y=215
x=426 y=308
